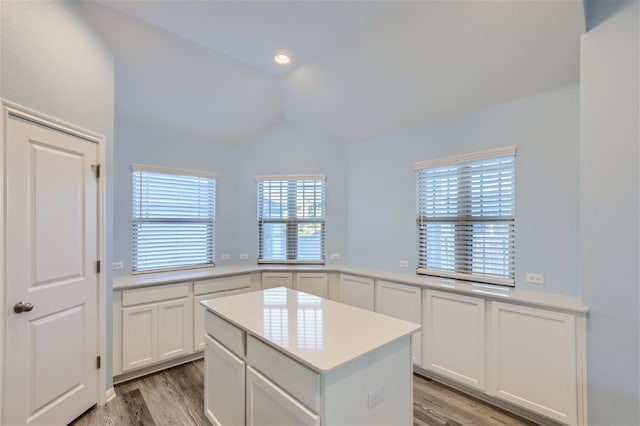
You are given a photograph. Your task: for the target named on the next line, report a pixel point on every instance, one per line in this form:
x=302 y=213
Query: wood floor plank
x=176 y=397
x=139 y=414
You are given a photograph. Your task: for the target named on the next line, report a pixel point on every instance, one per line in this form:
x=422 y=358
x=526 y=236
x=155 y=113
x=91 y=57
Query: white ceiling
x=359 y=68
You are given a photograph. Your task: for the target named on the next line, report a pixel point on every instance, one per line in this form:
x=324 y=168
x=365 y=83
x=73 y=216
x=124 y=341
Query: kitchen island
x=283 y=357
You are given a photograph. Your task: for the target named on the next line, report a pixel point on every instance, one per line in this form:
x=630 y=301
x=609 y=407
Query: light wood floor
x=176 y=397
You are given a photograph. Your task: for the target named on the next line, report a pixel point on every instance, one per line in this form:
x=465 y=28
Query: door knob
x=22 y=307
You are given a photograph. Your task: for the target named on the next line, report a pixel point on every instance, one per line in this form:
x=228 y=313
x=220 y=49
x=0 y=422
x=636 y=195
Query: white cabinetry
x=277 y=279
x=533 y=360
x=454 y=337
x=403 y=302
x=224 y=385
x=211 y=289
x=288 y=384
x=316 y=283
x=156 y=324
x=357 y=291
x=268 y=404
x=139 y=335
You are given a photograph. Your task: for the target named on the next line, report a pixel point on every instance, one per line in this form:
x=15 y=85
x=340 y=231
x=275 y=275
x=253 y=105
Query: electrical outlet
x=404 y=263
x=535 y=278
x=244 y=256
x=225 y=256
x=117 y=265
x=376 y=396
x=336 y=256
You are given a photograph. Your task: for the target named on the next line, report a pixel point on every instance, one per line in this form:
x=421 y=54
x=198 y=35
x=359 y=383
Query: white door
x=313 y=283
x=51 y=251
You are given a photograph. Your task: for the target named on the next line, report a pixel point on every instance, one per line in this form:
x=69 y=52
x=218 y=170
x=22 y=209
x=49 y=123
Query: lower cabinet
x=268 y=404
x=533 y=360
x=139 y=336
x=316 y=283
x=277 y=279
x=224 y=385
x=402 y=302
x=357 y=291
x=454 y=337
x=156 y=325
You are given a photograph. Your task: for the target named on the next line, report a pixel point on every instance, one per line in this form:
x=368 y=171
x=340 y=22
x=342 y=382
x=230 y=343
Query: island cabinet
x=454 y=337
x=404 y=302
x=156 y=324
x=357 y=291
x=534 y=360
x=305 y=361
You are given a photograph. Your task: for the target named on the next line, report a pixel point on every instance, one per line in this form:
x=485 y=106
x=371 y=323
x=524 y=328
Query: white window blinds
x=291 y=213
x=465 y=216
x=173 y=218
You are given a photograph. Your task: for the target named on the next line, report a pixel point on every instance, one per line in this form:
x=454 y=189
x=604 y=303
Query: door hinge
x=97 y=266
x=98 y=362
x=96 y=169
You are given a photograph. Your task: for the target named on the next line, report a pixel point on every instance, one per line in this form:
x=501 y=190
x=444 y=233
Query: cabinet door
x=268 y=404
x=277 y=279
x=224 y=387
x=403 y=302
x=198 y=318
x=454 y=332
x=533 y=360
x=357 y=291
x=313 y=283
x=139 y=336
x=175 y=328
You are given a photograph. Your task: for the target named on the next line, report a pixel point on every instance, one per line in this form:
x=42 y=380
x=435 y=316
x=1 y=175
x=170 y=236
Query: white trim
x=102 y=277
x=16 y=110
x=109 y=395
x=137 y=167
x=290 y=177
x=466 y=277
x=465 y=158
x=36 y=117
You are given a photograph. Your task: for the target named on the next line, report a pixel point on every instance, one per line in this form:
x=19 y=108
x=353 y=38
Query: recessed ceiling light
x=281 y=58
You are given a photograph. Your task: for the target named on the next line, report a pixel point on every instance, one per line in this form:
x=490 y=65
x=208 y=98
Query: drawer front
x=297 y=380
x=225 y=332
x=221 y=284
x=155 y=294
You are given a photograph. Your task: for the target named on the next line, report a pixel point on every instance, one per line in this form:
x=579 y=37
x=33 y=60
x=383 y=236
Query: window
x=173 y=218
x=466 y=216
x=291 y=219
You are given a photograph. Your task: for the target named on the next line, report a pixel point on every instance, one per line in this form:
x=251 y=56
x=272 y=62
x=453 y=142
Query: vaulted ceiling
x=359 y=68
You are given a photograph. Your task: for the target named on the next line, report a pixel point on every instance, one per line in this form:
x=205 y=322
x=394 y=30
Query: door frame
x=13 y=109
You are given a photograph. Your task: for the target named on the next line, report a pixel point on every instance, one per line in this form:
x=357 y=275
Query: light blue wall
x=545 y=129
x=51 y=61
x=281 y=150
x=285 y=149
x=609 y=207
x=160 y=147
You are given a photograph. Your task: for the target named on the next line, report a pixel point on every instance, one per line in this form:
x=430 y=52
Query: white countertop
x=494 y=292
x=319 y=333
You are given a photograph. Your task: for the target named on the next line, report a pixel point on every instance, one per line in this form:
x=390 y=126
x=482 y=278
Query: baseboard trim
x=522 y=412
x=110 y=394
x=130 y=375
